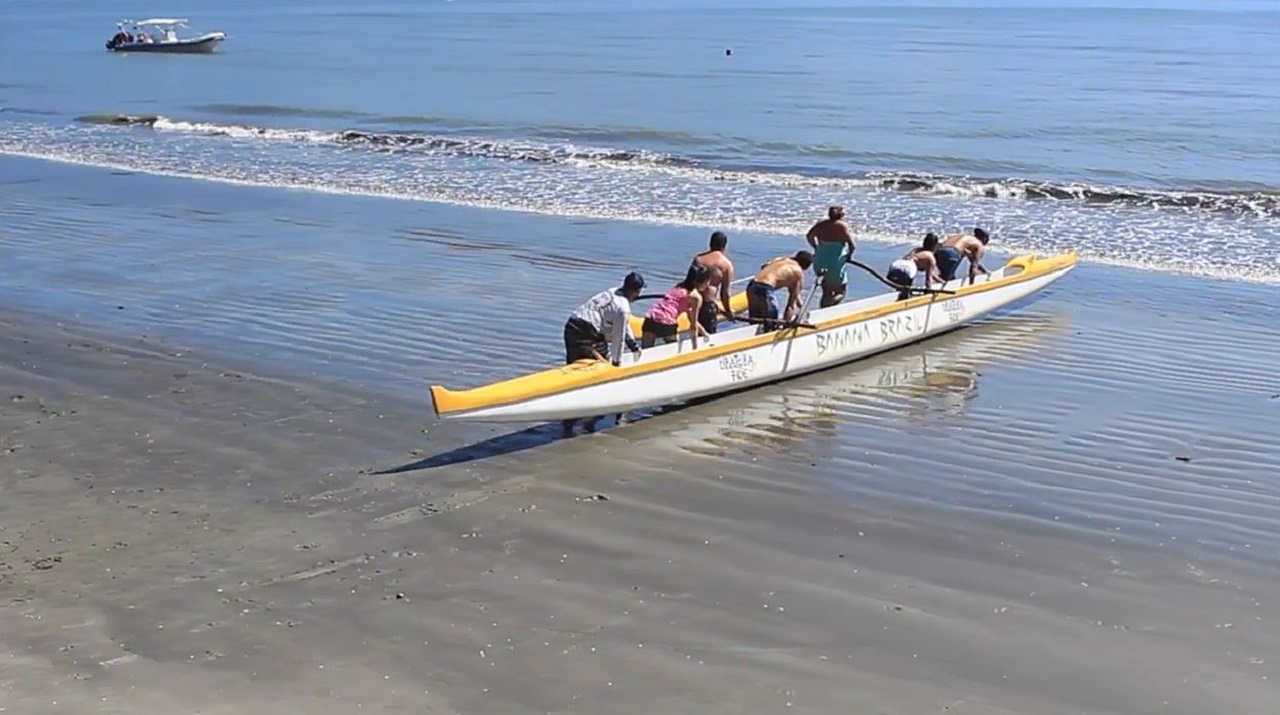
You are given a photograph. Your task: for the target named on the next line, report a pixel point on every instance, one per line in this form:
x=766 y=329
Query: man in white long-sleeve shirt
x=598 y=329
x=600 y=326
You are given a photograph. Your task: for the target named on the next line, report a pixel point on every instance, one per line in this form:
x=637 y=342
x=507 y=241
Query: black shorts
x=662 y=330
x=709 y=315
x=583 y=342
x=899 y=277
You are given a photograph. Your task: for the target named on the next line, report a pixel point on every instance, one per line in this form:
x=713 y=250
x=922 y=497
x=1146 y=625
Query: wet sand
x=180 y=536
x=1070 y=509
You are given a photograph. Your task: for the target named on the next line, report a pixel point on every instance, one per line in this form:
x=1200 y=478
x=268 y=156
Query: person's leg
x=842 y=288
x=772 y=312
x=828 y=295
x=901 y=280
x=756 y=306
x=573 y=341
x=833 y=289
x=709 y=316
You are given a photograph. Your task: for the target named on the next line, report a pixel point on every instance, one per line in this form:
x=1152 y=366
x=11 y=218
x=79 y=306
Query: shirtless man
x=903 y=271
x=833 y=245
x=721 y=269
x=785 y=272
x=957 y=248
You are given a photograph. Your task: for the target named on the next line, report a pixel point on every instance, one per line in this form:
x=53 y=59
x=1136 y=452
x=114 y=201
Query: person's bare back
x=924 y=260
x=966 y=244
x=785 y=272
x=781 y=272
x=828 y=229
x=721 y=268
x=970 y=247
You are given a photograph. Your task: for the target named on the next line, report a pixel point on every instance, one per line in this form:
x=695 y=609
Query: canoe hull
x=737 y=360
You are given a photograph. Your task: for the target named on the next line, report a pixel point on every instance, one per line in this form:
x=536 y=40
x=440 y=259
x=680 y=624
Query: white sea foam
x=593 y=182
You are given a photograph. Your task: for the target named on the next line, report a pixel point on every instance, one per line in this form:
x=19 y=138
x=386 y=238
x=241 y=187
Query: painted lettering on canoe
x=853 y=336
x=954 y=310
x=897 y=327
x=738 y=366
x=873 y=334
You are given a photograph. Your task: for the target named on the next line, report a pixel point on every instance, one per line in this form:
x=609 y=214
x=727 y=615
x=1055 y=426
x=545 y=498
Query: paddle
x=770 y=321
x=895 y=286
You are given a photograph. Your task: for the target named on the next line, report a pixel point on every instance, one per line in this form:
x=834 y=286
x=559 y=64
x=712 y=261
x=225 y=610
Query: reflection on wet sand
x=919 y=387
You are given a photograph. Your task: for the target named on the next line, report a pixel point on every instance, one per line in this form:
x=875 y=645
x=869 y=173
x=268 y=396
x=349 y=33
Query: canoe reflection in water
x=915 y=387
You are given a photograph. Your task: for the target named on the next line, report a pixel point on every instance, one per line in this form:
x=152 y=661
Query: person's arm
x=931 y=274
x=621 y=333
x=812 y=237
x=848 y=238
x=627 y=335
x=725 y=281
x=793 y=299
x=978 y=256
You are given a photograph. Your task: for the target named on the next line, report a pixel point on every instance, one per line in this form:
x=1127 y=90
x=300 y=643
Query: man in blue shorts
x=833 y=245
x=957 y=248
x=785 y=272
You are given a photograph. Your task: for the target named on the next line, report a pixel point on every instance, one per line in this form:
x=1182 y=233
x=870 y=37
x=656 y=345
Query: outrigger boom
x=742 y=357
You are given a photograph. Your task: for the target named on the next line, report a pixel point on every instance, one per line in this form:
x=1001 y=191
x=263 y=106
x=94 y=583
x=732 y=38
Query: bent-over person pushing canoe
x=919 y=260
x=716 y=260
x=602 y=323
x=957 y=248
x=783 y=272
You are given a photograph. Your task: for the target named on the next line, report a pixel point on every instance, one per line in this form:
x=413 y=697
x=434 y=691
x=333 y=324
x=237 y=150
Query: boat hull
x=202 y=45
x=739 y=359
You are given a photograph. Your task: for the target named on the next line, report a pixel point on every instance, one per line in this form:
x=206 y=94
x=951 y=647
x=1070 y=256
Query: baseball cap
x=633 y=281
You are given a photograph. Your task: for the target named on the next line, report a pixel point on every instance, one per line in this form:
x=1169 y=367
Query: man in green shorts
x=833 y=246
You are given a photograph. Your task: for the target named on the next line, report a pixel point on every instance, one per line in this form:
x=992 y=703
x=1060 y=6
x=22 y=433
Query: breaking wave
x=1261 y=202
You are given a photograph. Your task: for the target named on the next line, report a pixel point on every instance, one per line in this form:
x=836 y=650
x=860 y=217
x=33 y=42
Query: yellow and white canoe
x=739 y=358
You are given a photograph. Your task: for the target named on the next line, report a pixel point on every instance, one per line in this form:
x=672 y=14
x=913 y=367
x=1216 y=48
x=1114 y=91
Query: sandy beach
x=183 y=536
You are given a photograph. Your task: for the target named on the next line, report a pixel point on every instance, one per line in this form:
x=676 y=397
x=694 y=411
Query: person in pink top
x=662 y=320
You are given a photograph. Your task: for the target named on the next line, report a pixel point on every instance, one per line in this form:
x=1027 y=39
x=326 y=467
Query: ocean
x=402 y=194
x=1143 y=134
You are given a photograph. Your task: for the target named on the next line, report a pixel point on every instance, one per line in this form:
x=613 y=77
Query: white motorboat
x=136 y=37
x=743 y=357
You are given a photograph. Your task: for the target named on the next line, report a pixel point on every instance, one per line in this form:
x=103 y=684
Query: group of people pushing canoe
x=603 y=321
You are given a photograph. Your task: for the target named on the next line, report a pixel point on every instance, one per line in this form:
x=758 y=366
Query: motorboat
x=159 y=34
x=744 y=357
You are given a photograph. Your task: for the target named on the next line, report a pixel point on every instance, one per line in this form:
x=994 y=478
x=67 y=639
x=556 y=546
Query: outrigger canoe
x=741 y=357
